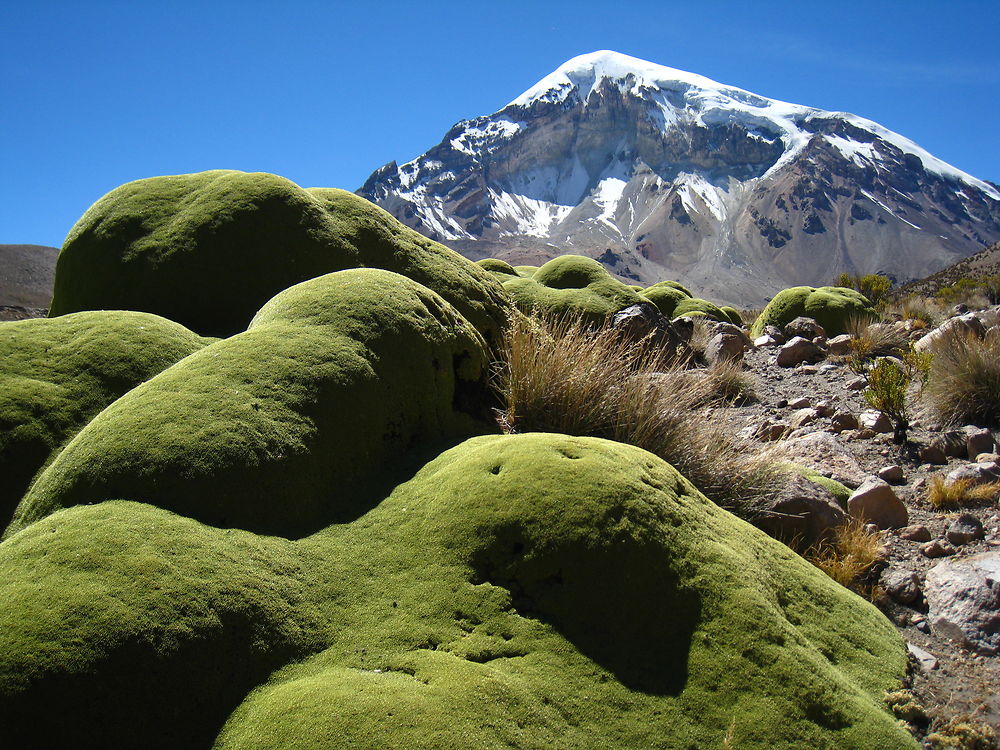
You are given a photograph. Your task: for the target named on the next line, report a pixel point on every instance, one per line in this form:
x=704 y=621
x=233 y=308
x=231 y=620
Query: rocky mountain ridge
x=662 y=174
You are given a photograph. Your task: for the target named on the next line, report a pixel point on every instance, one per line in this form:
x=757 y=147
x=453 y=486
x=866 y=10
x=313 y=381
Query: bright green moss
x=495 y=600
x=699 y=306
x=55 y=375
x=124 y=626
x=208 y=249
x=497 y=266
x=830 y=306
x=526 y=271
x=303 y=419
x=572 y=285
x=528 y=591
x=666 y=298
x=835 y=488
x=733 y=315
x=668 y=284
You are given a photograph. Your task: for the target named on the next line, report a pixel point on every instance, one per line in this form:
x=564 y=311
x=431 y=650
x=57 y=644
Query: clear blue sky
x=95 y=94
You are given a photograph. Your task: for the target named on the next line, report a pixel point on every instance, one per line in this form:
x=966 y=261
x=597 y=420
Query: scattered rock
x=932 y=454
x=964 y=529
x=977 y=440
x=857 y=384
x=762 y=341
x=724 y=347
x=824 y=453
x=938 y=548
x=975 y=474
x=843 y=420
x=875 y=501
x=988 y=458
x=769 y=431
x=966 y=324
x=840 y=345
x=806 y=370
x=916 y=533
x=902 y=585
x=803 y=510
x=825 y=409
x=775 y=333
x=952 y=443
x=638 y=322
x=892 y=474
x=799 y=403
x=925 y=660
x=797 y=351
x=802 y=417
x=805 y=327
x=875 y=421
x=963 y=597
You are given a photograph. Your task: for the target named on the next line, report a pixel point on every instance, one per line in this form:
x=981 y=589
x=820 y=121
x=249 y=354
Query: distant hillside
x=26 y=275
x=984 y=263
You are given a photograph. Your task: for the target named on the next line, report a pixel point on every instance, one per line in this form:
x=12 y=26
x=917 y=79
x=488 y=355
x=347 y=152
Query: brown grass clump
x=876 y=339
x=560 y=376
x=944 y=495
x=849 y=557
x=962 y=733
x=964 y=382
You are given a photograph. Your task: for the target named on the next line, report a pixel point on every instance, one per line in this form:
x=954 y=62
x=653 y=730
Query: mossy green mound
x=571 y=286
x=666 y=296
x=529 y=591
x=732 y=314
x=55 y=375
x=526 y=271
x=125 y=626
x=301 y=420
x=833 y=307
x=697 y=307
x=208 y=249
x=497 y=266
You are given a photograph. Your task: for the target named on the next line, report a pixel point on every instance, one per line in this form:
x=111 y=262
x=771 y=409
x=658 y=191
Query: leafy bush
x=874 y=286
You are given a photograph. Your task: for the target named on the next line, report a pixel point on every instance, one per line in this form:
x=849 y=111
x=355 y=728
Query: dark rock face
x=675 y=176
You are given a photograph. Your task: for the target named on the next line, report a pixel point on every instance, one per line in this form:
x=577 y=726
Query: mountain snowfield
x=663 y=174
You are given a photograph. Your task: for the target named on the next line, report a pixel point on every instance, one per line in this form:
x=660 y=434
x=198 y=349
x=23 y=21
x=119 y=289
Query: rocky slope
x=661 y=174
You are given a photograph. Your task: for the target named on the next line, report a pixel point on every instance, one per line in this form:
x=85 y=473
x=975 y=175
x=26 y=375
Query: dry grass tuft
x=962 y=733
x=560 y=376
x=876 y=339
x=849 y=557
x=964 y=382
x=944 y=495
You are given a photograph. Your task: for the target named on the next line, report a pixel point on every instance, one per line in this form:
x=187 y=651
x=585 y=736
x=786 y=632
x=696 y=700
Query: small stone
x=988 y=458
x=952 y=442
x=827 y=368
x=824 y=408
x=901 y=585
x=977 y=440
x=932 y=454
x=843 y=420
x=840 y=345
x=916 y=533
x=874 y=501
x=797 y=351
x=892 y=474
x=802 y=417
x=963 y=600
x=782 y=403
x=806 y=369
x=875 y=421
x=937 y=548
x=926 y=661
x=964 y=529
x=857 y=384
x=763 y=341
x=775 y=333
x=799 y=403
x=804 y=327
x=974 y=474
x=769 y=431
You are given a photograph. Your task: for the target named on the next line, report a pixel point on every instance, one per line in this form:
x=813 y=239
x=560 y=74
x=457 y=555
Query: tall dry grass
x=963 y=386
x=849 y=557
x=561 y=376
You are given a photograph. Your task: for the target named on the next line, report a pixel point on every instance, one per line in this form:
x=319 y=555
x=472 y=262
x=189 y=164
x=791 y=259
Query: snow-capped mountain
x=662 y=174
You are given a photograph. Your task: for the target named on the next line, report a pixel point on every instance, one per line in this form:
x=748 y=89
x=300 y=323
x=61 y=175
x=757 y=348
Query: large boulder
x=303 y=419
x=527 y=591
x=833 y=307
x=55 y=375
x=571 y=286
x=963 y=597
x=208 y=249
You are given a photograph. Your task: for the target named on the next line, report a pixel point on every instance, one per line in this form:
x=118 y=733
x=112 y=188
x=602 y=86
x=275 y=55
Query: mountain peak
x=583 y=72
